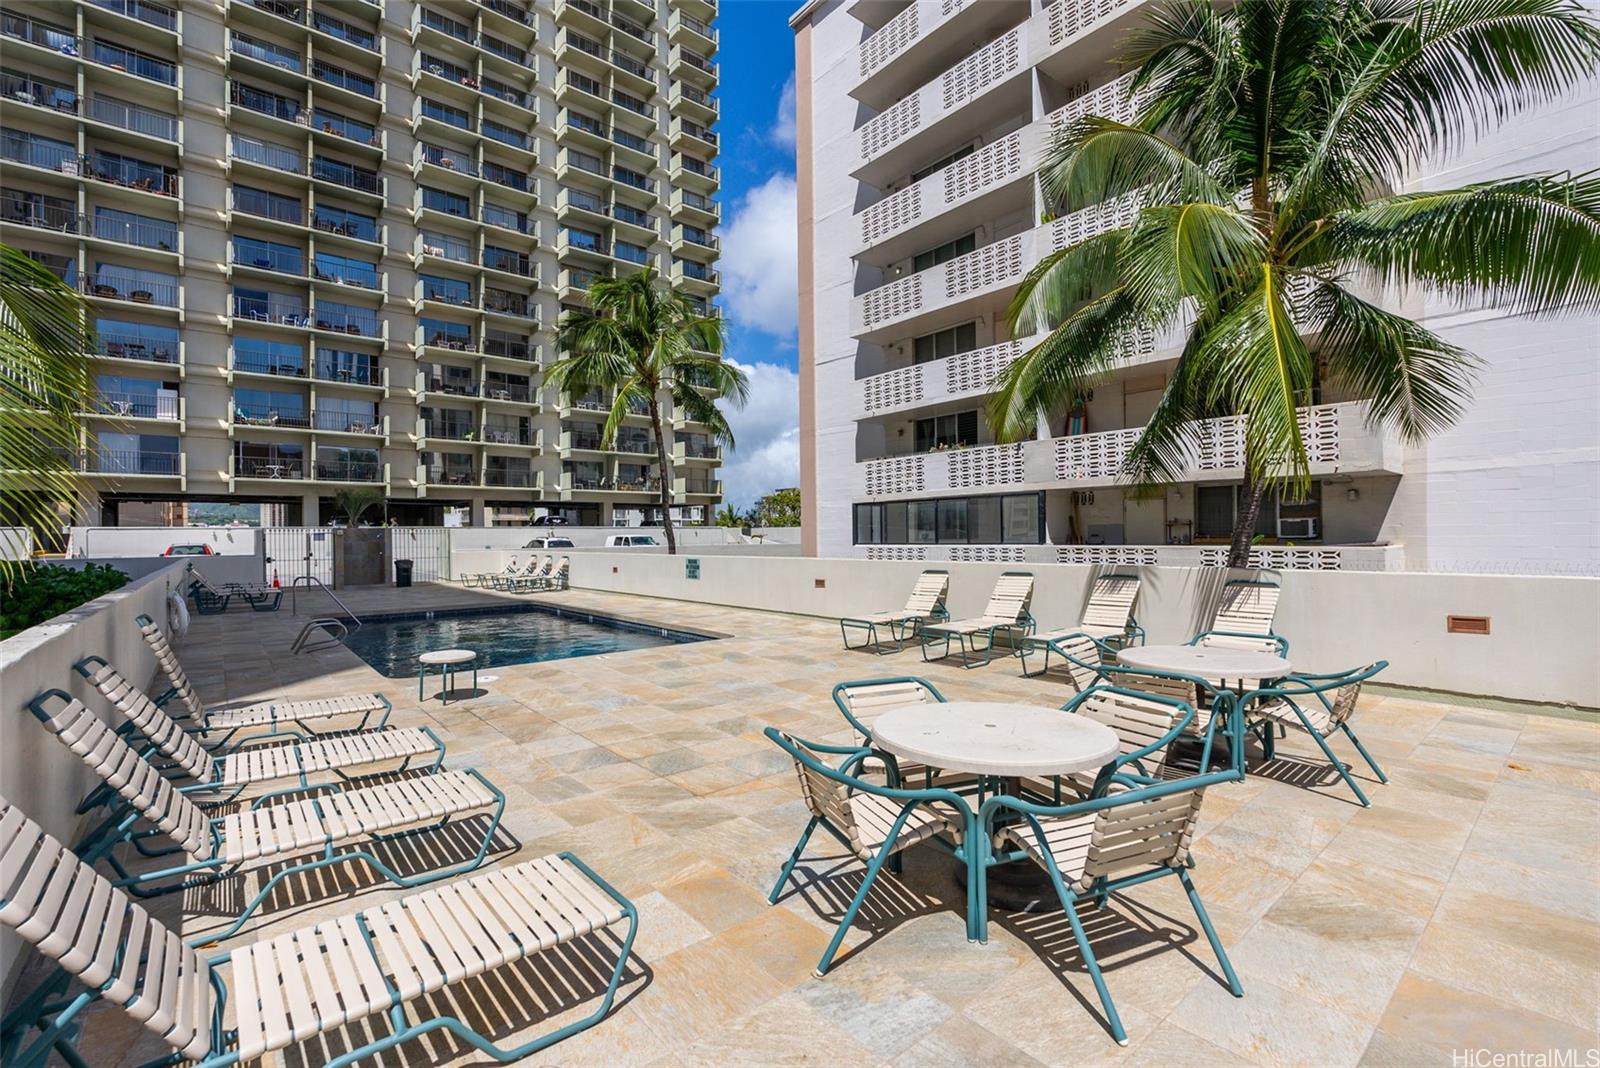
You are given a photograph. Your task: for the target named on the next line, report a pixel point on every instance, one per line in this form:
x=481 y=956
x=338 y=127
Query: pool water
x=526 y=634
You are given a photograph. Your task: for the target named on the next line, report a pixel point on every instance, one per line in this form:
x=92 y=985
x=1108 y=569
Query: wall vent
x=1467 y=624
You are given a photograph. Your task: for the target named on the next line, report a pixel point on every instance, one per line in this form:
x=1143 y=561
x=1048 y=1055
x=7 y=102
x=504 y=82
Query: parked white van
x=630 y=541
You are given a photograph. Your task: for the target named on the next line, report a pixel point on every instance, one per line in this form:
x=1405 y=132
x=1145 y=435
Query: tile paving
x=1459 y=912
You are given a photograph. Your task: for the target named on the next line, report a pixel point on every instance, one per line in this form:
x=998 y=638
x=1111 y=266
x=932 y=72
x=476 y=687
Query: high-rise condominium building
x=920 y=128
x=327 y=242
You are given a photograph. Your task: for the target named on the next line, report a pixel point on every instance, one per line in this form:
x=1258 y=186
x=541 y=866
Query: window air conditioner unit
x=1297 y=528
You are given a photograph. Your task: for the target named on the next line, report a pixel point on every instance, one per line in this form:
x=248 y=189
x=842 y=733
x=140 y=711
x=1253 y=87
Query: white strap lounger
x=532 y=573
x=219 y=847
x=1007 y=612
x=925 y=605
x=296 y=985
x=344 y=755
x=349 y=712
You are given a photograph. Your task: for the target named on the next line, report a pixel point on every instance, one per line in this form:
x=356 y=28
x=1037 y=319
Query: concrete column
x=477 y=512
x=311 y=509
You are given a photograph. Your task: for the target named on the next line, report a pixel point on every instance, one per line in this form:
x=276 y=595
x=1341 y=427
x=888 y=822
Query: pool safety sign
x=691 y=568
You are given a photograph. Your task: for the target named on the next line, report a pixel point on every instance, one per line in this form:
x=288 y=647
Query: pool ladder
x=303 y=642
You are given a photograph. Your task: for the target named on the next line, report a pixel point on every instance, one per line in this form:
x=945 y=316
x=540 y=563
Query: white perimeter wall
x=36 y=771
x=1541 y=647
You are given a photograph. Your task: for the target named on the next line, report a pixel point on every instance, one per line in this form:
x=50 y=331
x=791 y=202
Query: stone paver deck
x=1461 y=911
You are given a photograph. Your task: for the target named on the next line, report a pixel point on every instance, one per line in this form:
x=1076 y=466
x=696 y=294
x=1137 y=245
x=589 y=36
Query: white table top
x=448 y=656
x=1206 y=662
x=994 y=738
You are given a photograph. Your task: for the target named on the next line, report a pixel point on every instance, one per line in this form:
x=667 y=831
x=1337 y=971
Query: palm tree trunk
x=1244 y=525
x=664 y=468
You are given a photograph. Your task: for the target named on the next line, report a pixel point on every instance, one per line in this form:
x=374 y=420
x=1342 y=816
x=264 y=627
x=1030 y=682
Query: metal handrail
x=300 y=646
x=310 y=580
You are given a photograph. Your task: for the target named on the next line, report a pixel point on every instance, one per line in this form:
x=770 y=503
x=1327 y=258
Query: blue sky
x=758 y=241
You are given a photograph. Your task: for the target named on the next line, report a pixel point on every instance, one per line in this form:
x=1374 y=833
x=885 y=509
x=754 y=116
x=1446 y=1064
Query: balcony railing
x=134 y=117
x=40 y=92
x=131 y=287
x=508 y=347
x=259 y=363
x=125 y=345
x=284 y=311
x=266 y=52
x=266 y=154
x=345 y=31
x=448 y=158
x=130 y=462
x=361 y=322
x=265 y=103
x=340 y=78
x=507 y=177
x=136 y=405
x=135 y=230
x=267 y=206
x=349 y=471
x=284 y=9
x=520 y=392
x=518 y=479
x=509 y=262
x=507 y=434
x=268 y=415
x=269 y=467
x=356 y=375
x=495 y=300
x=37 y=32
x=347 y=422
x=347 y=224
x=347 y=175
x=158 y=15
x=132 y=174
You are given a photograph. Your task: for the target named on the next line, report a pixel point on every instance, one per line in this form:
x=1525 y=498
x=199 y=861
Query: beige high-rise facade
x=920 y=126
x=327 y=242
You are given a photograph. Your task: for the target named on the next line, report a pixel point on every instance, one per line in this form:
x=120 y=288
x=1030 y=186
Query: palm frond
x=1064 y=279
x=1414 y=380
x=1531 y=244
x=1096 y=159
x=1193 y=251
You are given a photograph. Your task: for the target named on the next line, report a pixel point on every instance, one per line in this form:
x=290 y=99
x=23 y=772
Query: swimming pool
x=517 y=634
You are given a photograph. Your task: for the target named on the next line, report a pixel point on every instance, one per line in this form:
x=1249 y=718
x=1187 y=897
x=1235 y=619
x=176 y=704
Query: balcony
x=135 y=118
x=690 y=206
x=692 y=239
x=696 y=276
x=695 y=173
x=148 y=12
x=941 y=294
x=685 y=452
x=896 y=139
x=687 y=486
x=138 y=464
x=140 y=407
x=693 y=102
x=1338 y=440
x=132 y=287
x=685 y=64
x=686 y=134
x=692 y=33
x=923 y=37
x=358 y=424
x=964 y=376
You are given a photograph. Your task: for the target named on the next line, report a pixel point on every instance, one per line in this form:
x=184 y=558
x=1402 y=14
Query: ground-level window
x=1009 y=519
x=1216 y=506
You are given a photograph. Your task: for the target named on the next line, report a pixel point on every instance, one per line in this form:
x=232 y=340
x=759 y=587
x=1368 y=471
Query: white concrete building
x=327 y=242
x=920 y=125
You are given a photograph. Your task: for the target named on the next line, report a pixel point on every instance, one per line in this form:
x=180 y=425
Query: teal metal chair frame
x=1306 y=684
x=207 y=603
x=900 y=631
x=119 y=827
x=854 y=756
x=1115 y=766
x=56 y=1015
x=862 y=728
x=1270 y=636
x=1225 y=708
x=1141 y=789
x=1025 y=623
x=1053 y=645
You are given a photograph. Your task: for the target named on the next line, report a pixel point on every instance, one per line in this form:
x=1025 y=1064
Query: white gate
x=428 y=548
x=294 y=552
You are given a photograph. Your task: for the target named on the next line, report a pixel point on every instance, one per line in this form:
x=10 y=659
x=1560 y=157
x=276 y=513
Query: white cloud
x=760 y=259
x=782 y=133
x=767 y=431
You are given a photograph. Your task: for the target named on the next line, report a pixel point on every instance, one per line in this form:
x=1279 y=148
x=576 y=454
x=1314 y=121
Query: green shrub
x=41 y=593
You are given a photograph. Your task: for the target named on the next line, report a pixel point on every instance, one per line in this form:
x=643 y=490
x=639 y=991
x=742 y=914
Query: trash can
x=402 y=572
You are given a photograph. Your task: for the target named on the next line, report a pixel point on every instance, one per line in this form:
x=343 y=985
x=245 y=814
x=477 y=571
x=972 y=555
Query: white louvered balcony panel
x=1008 y=159
x=996 y=63
x=895 y=475
x=989 y=554
x=895 y=36
x=984 y=466
x=964 y=375
x=892 y=390
x=896 y=552
x=984 y=268
x=975 y=371
x=1110 y=101
x=1066 y=19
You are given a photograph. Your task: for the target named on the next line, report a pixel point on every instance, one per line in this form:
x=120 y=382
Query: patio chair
x=1244 y=619
x=269 y=837
x=866 y=698
x=1287 y=705
x=1212 y=706
x=924 y=605
x=481 y=579
x=346 y=713
x=558 y=579
x=208 y=602
x=232 y=771
x=1082 y=655
x=1108 y=616
x=259 y=598
x=534 y=569
x=1006 y=612
x=295 y=986
x=873 y=822
x=1145 y=725
x=1095 y=848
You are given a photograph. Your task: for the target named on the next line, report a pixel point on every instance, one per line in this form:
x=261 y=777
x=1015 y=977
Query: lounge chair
x=873 y=822
x=259 y=596
x=924 y=605
x=481 y=579
x=232 y=772
x=349 y=712
x=208 y=602
x=1145 y=725
x=559 y=579
x=296 y=985
x=1006 y=613
x=531 y=573
x=1107 y=618
x=1244 y=619
x=1287 y=705
x=271 y=836
x=1096 y=848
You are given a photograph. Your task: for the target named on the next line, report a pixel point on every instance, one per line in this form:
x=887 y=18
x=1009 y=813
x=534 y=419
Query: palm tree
x=45 y=385
x=353 y=502
x=643 y=341
x=1266 y=143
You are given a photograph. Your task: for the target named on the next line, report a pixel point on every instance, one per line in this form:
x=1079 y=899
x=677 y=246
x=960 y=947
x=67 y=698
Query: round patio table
x=1229 y=669
x=448 y=661
x=995 y=738
x=1008 y=741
